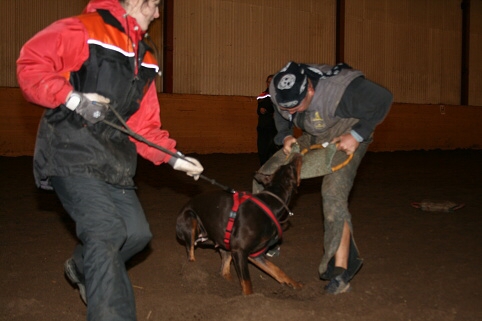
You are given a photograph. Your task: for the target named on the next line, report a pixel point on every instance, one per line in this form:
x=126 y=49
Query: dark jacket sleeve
x=369 y=106
x=283 y=127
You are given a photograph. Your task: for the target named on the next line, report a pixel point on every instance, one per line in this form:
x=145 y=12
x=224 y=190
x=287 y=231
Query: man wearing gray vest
x=338 y=105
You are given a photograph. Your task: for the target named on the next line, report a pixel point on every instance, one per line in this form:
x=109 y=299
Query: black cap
x=291 y=85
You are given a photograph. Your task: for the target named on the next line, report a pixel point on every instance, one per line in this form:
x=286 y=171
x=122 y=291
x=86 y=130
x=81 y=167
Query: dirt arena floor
x=418 y=265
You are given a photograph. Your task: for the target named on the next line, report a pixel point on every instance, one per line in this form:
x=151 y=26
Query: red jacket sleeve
x=46 y=60
x=147 y=123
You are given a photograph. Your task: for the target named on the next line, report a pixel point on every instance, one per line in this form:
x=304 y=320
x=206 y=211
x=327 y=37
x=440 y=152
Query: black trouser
x=111 y=227
x=265 y=143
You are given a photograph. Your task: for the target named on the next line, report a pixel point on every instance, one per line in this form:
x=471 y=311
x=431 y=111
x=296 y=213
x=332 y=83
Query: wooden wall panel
x=207 y=124
x=451 y=54
x=9 y=45
x=428 y=127
x=210 y=124
x=413 y=47
x=475 y=61
x=227 y=47
x=19 y=21
x=18 y=124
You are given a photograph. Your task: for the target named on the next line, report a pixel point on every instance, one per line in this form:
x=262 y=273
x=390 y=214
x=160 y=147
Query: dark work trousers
x=265 y=141
x=111 y=227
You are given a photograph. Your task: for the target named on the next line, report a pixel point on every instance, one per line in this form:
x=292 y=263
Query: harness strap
x=269 y=212
x=238 y=199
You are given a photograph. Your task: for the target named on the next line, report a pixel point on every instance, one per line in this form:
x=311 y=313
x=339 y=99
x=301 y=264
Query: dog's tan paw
x=227 y=276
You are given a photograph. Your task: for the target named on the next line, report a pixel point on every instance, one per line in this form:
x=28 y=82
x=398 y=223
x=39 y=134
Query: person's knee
x=141 y=239
x=112 y=232
x=138 y=240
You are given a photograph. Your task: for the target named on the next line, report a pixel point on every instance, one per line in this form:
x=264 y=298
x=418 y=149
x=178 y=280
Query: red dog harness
x=238 y=199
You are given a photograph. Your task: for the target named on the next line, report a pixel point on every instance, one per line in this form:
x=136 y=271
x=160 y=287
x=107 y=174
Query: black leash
x=290 y=213
x=126 y=129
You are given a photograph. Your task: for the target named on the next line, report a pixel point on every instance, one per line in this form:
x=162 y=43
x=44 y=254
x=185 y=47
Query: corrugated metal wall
x=20 y=20
x=227 y=47
x=413 y=47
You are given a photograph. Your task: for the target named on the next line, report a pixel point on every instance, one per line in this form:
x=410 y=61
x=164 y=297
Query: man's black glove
x=92 y=106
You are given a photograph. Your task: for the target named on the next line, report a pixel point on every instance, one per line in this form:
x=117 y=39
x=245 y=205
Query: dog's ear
x=298 y=175
x=263 y=179
x=297 y=162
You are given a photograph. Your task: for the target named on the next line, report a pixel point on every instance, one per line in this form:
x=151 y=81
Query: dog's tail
x=189 y=217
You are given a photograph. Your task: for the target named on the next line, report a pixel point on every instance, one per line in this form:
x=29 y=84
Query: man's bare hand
x=346 y=143
x=287 y=143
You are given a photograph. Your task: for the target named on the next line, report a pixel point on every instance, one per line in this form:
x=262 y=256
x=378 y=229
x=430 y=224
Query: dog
x=243 y=234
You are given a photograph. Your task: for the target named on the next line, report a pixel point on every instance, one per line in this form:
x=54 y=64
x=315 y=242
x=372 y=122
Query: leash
x=290 y=213
x=127 y=130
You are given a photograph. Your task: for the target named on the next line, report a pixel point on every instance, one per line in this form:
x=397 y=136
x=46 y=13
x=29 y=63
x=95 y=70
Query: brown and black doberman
x=243 y=225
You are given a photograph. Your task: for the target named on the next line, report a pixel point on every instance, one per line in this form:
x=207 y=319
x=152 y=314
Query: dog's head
x=290 y=173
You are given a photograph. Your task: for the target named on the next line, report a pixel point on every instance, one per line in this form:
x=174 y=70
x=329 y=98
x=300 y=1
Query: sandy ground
x=418 y=265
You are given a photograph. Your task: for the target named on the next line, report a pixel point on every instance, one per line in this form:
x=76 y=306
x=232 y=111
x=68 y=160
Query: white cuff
x=355 y=135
